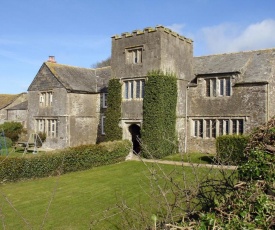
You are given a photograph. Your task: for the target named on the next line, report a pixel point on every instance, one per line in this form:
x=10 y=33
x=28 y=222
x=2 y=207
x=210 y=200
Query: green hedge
x=5 y=142
x=230 y=148
x=113 y=112
x=159 y=115
x=12 y=130
x=63 y=161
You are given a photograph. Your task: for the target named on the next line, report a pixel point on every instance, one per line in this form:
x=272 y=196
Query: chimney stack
x=51 y=59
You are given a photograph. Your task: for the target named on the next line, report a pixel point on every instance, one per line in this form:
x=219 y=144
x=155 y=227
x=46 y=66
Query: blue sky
x=77 y=32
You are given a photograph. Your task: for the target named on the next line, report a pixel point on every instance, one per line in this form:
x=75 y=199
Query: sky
x=78 y=32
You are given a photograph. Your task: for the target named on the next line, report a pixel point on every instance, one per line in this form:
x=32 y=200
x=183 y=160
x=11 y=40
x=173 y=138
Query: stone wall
x=3 y=112
x=18 y=116
x=247 y=102
x=84 y=118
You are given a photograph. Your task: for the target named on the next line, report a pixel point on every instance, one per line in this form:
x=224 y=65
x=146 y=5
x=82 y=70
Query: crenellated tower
x=134 y=55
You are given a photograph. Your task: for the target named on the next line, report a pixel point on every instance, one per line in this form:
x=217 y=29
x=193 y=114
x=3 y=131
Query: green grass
x=198 y=158
x=81 y=197
x=19 y=152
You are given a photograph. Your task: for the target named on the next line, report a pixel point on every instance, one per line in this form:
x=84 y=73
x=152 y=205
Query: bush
x=5 y=142
x=63 y=161
x=159 y=115
x=113 y=112
x=12 y=130
x=230 y=148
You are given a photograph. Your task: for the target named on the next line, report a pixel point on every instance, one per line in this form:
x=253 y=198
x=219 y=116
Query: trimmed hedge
x=113 y=111
x=230 y=148
x=63 y=161
x=159 y=115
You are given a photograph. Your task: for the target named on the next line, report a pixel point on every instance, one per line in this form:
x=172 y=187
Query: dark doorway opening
x=135 y=132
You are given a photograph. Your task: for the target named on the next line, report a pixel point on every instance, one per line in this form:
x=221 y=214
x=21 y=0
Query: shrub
x=63 y=161
x=12 y=130
x=113 y=112
x=159 y=115
x=5 y=142
x=230 y=148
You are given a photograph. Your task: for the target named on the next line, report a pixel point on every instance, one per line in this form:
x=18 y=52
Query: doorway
x=134 y=129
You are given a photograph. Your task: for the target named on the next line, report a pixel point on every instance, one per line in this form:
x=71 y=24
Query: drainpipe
x=186 y=104
x=267 y=102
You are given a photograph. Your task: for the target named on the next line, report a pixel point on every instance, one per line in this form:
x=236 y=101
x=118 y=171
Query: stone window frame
x=212 y=127
x=218 y=87
x=133 y=89
x=49 y=126
x=134 y=54
x=46 y=99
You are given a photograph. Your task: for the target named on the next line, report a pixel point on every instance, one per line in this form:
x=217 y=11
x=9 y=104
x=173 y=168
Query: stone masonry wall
x=247 y=102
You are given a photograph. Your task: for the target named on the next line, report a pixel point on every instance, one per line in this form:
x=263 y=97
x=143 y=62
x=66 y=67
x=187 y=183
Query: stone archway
x=134 y=129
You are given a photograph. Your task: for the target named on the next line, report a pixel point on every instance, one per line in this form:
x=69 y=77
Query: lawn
x=74 y=200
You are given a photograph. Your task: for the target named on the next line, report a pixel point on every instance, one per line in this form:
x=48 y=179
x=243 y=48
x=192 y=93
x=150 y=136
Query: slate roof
x=253 y=66
x=7 y=99
x=21 y=106
x=80 y=79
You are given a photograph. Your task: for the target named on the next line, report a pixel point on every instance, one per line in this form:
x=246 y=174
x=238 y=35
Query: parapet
x=151 y=30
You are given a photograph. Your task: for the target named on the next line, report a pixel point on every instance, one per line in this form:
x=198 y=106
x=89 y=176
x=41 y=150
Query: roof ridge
x=65 y=65
x=245 y=51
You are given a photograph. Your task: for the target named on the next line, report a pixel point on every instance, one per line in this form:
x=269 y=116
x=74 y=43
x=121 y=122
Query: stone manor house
x=217 y=94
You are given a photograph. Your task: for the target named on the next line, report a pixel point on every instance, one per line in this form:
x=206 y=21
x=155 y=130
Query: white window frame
x=46 y=99
x=48 y=126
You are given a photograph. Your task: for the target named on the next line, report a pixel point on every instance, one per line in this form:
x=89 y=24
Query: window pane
x=138 y=89
x=195 y=128
x=201 y=128
x=126 y=89
x=241 y=126
x=142 y=88
x=228 y=87
x=234 y=126
x=213 y=128
x=208 y=87
x=214 y=87
x=226 y=127
x=220 y=127
x=208 y=128
x=221 y=87
x=131 y=89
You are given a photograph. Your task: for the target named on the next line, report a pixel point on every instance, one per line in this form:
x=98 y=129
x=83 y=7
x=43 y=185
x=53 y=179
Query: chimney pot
x=52 y=59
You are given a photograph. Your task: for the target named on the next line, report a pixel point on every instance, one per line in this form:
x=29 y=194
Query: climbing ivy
x=159 y=115
x=113 y=112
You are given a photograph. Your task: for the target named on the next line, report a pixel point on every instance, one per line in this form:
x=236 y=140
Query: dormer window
x=218 y=87
x=134 y=55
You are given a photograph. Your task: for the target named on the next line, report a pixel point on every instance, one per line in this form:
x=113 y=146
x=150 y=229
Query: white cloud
x=232 y=38
x=176 y=28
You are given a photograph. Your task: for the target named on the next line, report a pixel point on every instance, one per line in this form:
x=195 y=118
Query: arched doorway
x=134 y=129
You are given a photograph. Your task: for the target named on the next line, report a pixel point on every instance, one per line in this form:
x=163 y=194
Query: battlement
x=151 y=30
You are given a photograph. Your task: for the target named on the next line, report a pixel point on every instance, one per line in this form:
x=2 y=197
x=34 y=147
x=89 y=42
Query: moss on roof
x=7 y=99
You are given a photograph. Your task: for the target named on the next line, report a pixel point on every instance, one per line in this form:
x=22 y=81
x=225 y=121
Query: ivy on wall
x=159 y=115
x=113 y=112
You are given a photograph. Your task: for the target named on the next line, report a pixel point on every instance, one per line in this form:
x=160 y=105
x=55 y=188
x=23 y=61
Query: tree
x=103 y=63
